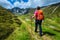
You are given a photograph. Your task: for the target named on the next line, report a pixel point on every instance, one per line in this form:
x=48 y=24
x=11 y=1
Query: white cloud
x=22 y=4
x=30 y=3
x=6 y=4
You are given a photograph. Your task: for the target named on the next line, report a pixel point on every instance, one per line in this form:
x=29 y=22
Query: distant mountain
x=18 y=10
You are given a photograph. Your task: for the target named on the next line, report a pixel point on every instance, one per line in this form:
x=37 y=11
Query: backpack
x=40 y=15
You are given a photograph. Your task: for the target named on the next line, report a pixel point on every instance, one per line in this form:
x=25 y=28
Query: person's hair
x=38 y=8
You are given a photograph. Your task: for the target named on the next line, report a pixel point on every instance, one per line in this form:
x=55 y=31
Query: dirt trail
x=34 y=36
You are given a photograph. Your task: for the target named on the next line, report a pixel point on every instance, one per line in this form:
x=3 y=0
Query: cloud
x=22 y=4
x=6 y=4
x=26 y=4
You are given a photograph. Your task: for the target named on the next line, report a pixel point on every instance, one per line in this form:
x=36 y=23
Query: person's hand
x=42 y=21
x=32 y=16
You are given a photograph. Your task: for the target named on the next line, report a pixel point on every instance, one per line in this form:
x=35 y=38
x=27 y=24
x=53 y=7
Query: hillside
x=8 y=23
x=53 y=12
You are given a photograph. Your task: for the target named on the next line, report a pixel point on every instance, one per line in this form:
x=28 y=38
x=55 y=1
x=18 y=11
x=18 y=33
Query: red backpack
x=39 y=15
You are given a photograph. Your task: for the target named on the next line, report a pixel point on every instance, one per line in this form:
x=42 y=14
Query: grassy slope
x=51 y=23
x=10 y=27
x=20 y=34
x=52 y=19
x=8 y=23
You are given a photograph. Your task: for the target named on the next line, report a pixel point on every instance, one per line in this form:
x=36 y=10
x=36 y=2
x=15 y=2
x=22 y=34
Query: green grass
x=20 y=34
x=11 y=28
x=8 y=23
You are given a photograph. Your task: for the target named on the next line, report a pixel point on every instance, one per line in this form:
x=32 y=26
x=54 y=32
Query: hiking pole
x=31 y=20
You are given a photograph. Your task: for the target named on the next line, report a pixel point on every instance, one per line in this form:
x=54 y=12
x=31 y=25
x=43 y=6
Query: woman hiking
x=38 y=15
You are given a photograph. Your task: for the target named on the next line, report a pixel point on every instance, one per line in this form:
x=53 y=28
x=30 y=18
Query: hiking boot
x=41 y=35
x=36 y=31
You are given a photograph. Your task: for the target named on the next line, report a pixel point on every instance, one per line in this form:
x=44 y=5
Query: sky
x=26 y=3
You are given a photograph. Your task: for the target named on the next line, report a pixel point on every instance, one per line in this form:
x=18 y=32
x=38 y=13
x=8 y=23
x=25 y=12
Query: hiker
x=38 y=15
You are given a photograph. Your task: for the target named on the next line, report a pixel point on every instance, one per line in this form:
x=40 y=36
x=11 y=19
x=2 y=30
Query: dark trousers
x=38 y=23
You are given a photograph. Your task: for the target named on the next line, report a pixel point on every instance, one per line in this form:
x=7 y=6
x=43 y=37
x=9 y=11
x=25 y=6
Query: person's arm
x=34 y=14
